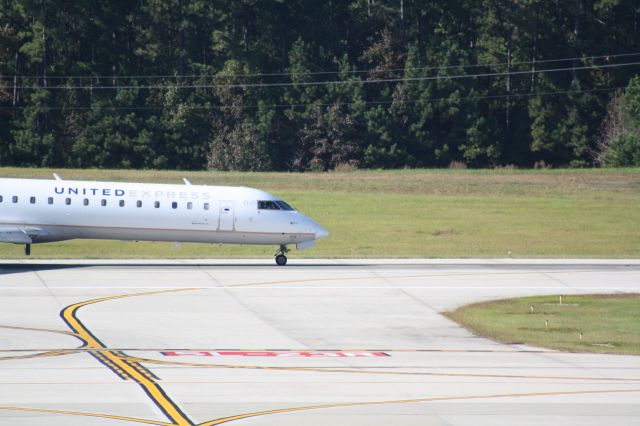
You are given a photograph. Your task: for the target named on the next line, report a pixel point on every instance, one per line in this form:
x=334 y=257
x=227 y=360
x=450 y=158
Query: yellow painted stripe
x=105 y=360
x=152 y=389
x=407 y=401
x=44 y=330
x=393 y=277
x=39 y=355
x=399 y=277
x=391 y=373
x=86 y=414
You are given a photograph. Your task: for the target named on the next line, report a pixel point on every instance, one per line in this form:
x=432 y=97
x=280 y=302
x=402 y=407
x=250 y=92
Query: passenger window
x=156 y=204
x=67 y=201
x=103 y=202
x=206 y=206
x=189 y=205
x=32 y=200
x=85 y=202
x=14 y=199
x=174 y=205
x=50 y=200
x=121 y=203
x=139 y=203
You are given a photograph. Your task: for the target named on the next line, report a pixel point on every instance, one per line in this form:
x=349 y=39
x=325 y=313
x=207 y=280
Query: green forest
x=319 y=85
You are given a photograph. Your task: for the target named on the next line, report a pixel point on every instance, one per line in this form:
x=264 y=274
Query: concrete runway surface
x=318 y=342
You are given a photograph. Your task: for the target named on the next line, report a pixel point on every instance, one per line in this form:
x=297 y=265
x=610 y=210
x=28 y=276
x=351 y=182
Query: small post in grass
x=531 y=308
x=581 y=335
x=561 y=299
x=546 y=324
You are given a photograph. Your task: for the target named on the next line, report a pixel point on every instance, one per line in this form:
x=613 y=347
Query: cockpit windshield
x=284 y=206
x=274 y=205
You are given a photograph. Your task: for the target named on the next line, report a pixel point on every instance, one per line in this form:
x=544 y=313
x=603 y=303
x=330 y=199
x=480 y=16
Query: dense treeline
x=300 y=84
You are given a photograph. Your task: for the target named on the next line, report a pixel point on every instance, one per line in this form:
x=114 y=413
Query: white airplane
x=41 y=211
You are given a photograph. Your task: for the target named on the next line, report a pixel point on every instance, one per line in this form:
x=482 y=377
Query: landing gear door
x=226 y=216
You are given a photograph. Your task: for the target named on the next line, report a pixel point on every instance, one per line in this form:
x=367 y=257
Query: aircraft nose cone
x=321 y=232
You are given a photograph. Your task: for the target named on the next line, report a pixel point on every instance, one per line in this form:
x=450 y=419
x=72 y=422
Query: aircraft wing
x=20 y=234
x=15 y=235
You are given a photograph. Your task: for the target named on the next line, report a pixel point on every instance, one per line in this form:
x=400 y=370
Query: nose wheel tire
x=27 y=249
x=281 y=259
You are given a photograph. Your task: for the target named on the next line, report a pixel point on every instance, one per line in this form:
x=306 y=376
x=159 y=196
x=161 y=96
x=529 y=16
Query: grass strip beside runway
x=587 y=323
x=410 y=214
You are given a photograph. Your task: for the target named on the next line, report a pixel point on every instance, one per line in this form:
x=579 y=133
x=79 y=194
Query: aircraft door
x=227 y=217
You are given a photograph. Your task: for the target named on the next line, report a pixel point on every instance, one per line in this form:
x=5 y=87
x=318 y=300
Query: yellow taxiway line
x=86 y=414
x=125 y=367
x=40 y=354
x=401 y=277
x=390 y=373
x=406 y=401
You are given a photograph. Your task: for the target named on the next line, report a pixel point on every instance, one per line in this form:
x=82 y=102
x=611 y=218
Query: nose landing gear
x=281 y=259
x=27 y=249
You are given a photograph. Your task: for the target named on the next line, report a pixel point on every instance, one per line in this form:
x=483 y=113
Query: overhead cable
x=280 y=74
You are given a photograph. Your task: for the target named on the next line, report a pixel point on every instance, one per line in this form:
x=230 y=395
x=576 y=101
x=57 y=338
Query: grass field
x=608 y=323
x=411 y=213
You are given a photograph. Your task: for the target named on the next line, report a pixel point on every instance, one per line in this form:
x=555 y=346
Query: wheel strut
x=281 y=259
x=27 y=249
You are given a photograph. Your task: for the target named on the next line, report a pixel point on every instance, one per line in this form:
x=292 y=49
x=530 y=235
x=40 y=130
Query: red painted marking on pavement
x=278 y=354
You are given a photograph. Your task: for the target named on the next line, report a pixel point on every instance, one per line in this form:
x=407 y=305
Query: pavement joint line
x=85 y=414
x=558 y=280
x=397 y=277
x=211 y=277
x=376 y=372
x=44 y=283
x=408 y=401
x=43 y=330
x=404 y=290
x=40 y=355
x=568 y=364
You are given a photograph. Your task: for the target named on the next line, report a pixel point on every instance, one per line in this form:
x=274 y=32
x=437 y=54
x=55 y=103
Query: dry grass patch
x=587 y=323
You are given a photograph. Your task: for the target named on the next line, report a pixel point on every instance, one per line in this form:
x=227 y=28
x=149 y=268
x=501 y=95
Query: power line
x=325 y=83
x=280 y=74
x=409 y=101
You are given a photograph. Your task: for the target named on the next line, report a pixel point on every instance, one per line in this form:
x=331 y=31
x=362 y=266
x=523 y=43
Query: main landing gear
x=281 y=259
x=27 y=249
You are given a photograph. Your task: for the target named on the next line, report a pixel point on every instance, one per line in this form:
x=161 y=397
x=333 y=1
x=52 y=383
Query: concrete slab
x=242 y=341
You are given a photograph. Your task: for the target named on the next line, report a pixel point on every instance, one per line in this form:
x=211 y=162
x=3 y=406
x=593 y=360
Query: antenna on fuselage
x=186 y=181
x=55 y=175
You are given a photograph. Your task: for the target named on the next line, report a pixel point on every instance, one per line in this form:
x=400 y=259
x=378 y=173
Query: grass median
x=410 y=213
x=587 y=323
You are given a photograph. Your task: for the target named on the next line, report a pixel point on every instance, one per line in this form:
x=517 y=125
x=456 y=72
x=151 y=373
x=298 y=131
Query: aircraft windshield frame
x=274 y=205
x=284 y=206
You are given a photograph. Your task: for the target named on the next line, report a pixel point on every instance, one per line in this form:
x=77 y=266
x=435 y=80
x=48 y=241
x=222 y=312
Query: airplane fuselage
x=39 y=211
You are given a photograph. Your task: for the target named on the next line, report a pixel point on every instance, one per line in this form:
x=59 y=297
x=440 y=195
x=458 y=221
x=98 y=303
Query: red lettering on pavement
x=283 y=354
